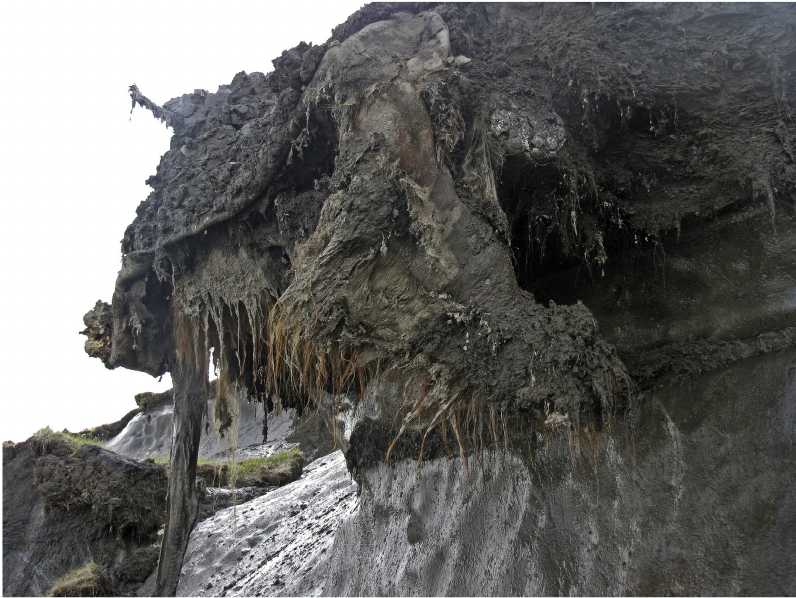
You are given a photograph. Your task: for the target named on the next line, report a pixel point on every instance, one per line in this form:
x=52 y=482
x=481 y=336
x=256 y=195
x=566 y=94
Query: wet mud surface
x=275 y=545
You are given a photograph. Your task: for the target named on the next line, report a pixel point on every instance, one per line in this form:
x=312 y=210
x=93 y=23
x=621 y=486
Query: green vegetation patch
x=42 y=439
x=276 y=470
x=250 y=466
x=88 y=580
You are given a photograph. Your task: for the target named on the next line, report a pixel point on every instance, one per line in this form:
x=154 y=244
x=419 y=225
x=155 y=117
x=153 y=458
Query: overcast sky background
x=73 y=164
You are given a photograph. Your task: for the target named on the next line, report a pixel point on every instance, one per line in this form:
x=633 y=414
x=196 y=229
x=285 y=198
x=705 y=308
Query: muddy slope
x=275 y=545
x=470 y=225
x=148 y=434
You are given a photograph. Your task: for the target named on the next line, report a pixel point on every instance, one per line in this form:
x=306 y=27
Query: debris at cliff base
x=67 y=501
x=135 y=568
x=128 y=495
x=277 y=470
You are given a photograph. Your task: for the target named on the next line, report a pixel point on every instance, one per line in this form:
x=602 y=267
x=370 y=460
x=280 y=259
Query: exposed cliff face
x=442 y=163
x=470 y=225
x=689 y=498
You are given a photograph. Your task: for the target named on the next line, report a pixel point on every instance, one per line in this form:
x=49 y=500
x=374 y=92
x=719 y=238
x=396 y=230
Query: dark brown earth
x=127 y=494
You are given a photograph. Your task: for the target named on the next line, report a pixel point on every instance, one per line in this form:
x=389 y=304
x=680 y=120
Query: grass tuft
x=276 y=470
x=249 y=467
x=275 y=349
x=88 y=580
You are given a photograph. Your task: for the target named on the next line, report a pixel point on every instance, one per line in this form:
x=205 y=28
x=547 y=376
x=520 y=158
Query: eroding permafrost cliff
x=491 y=233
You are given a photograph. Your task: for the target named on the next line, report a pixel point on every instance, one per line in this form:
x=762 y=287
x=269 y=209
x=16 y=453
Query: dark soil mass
x=62 y=509
x=477 y=223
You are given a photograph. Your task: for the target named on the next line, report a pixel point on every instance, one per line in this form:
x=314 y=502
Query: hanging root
x=297 y=367
x=439 y=402
x=272 y=354
x=190 y=341
x=268 y=352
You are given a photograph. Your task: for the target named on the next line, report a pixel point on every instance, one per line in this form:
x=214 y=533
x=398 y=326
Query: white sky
x=73 y=164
